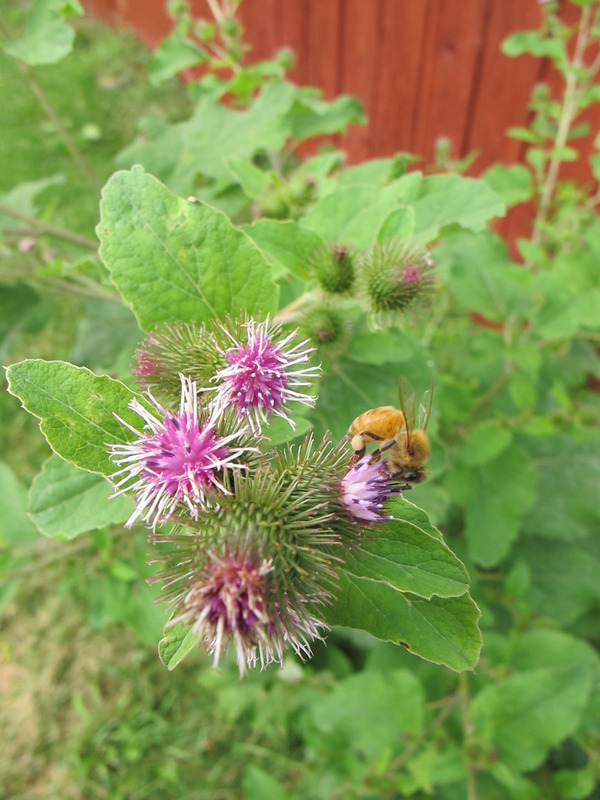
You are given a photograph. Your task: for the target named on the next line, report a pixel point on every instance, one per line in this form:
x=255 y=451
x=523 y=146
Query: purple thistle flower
x=259 y=378
x=176 y=460
x=365 y=488
x=230 y=604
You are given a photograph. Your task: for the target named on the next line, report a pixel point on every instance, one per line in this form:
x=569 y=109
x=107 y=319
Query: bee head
x=410 y=474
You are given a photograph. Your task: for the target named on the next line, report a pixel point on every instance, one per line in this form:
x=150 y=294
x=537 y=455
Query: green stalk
x=569 y=110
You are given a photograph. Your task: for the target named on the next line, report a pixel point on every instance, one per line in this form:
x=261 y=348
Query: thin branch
x=468 y=732
x=64 y=134
x=51 y=230
x=569 y=109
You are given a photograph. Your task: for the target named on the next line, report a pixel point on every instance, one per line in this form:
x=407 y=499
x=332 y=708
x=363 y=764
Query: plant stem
x=468 y=731
x=290 y=313
x=569 y=109
x=51 y=230
x=64 y=134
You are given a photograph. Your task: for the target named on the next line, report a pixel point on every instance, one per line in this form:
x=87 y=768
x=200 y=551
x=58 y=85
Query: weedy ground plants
x=245 y=306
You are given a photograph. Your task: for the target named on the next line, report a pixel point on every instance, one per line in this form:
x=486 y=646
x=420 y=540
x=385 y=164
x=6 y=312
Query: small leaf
x=399 y=225
x=443 y=200
x=566 y=504
x=47 y=38
x=311 y=116
x=513 y=184
x=404 y=556
x=65 y=501
x=176 y=260
x=15 y=525
x=286 y=244
x=359 y=708
x=352 y=215
x=535 y=44
x=175 y=53
x=253 y=180
x=485 y=442
x=442 y=630
x=76 y=410
x=494 y=496
x=176 y=644
x=532 y=710
x=563 y=578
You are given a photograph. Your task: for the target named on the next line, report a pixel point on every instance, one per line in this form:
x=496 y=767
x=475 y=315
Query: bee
x=403 y=437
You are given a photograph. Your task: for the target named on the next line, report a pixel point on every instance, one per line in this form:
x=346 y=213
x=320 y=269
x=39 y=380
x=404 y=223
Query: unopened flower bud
x=397 y=276
x=333 y=268
x=324 y=326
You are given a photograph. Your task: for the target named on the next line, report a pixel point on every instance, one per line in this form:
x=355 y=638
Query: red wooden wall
x=423 y=68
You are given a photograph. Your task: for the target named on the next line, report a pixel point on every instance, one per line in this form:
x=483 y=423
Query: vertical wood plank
x=358 y=68
x=503 y=88
x=397 y=80
x=260 y=22
x=322 y=45
x=149 y=21
x=451 y=49
x=292 y=26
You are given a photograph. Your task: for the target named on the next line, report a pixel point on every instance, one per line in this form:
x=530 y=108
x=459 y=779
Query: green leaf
x=353 y=214
x=485 y=442
x=384 y=347
x=523 y=135
x=258 y=784
x=175 y=53
x=563 y=578
x=176 y=644
x=374 y=172
x=253 y=180
x=442 y=630
x=76 y=410
x=105 y=331
x=65 y=501
x=287 y=245
x=399 y=225
x=443 y=200
x=405 y=511
x=47 y=38
x=22 y=198
x=575 y=784
x=15 y=526
x=176 y=260
x=359 y=707
x=513 y=183
x=494 y=496
x=179 y=153
x=566 y=504
x=535 y=44
x=532 y=710
x=482 y=277
x=18 y=305
x=312 y=116
x=405 y=557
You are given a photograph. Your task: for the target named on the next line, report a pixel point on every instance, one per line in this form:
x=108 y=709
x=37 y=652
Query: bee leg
x=387 y=445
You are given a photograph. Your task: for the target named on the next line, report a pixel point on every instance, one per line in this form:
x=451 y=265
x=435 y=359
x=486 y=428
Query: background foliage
x=512 y=344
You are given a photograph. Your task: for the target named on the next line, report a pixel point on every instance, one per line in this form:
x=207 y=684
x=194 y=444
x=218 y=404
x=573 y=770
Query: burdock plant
x=260 y=550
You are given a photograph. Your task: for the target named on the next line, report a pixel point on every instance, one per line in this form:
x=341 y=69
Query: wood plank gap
x=484 y=30
x=417 y=110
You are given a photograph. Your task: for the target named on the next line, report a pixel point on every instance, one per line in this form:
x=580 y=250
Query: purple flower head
x=176 y=461
x=230 y=603
x=260 y=378
x=366 y=487
x=411 y=274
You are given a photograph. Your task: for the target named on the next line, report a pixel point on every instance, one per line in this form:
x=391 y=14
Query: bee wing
x=406 y=393
x=425 y=408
